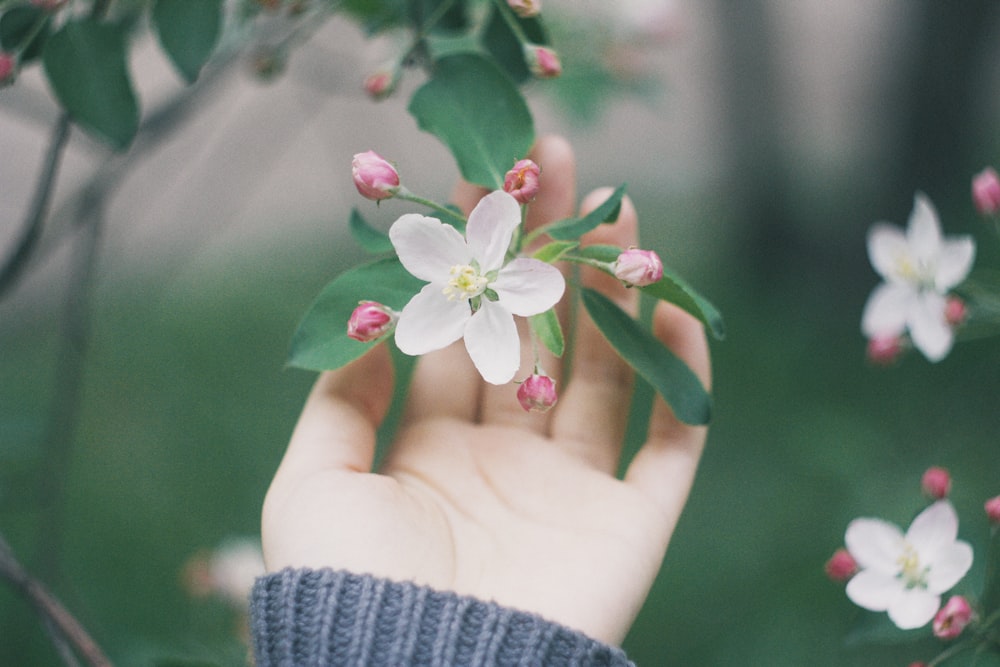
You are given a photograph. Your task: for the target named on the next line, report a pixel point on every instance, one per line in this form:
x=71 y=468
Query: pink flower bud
x=380 y=84
x=522 y=181
x=526 y=8
x=537 y=393
x=8 y=68
x=543 y=61
x=993 y=510
x=370 y=321
x=638 y=268
x=986 y=191
x=49 y=5
x=374 y=177
x=841 y=565
x=952 y=618
x=936 y=483
x=918 y=664
x=955 y=311
x=884 y=350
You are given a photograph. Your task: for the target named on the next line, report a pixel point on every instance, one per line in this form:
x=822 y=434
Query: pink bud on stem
x=992 y=507
x=374 y=177
x=936 y=482
x=526 y=8
x=952 y=618
x=521 y=182
x=8 y=68
x=380 y=84
x=884 y=350
x=638 y=268
x=841 y=565
x=543 y=61
x=986 y=192
x=370 y=321
x=537 y=393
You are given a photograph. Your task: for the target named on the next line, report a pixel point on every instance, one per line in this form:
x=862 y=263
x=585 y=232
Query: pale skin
x=478 y=496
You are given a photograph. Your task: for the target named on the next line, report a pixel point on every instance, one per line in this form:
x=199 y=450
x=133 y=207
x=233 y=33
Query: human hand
x=478 y=496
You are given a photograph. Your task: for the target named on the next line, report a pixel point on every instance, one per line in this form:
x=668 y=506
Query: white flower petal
x=427 y=247
x=949 y=566
x=923 y=232
x=929 y=329
x=886 y=310
x=529 y=286
x=493 y=344
x=430 y=321
x=491 y=225
x=886 y=245
x=875 y=544
x=933 y=528
x=913 y=608
x=873 y=590
x=954 y=262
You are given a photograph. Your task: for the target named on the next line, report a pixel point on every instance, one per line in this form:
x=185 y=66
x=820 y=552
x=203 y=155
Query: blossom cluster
x=906 y=573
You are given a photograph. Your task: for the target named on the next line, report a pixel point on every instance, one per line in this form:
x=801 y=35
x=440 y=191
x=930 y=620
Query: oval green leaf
x=369 y=238
x=21 y=24
x=672 y=288
x=477 y=112
x=320 y=342
x=546 y=326
x=188 y=31
x=574 y=228
x=86 y=64
x=661 y=368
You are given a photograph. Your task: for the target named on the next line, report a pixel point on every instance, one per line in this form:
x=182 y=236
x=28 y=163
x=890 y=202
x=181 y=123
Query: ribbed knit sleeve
x=313 y=618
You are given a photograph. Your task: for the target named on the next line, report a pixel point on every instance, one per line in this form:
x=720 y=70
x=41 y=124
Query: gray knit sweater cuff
x=323 y=617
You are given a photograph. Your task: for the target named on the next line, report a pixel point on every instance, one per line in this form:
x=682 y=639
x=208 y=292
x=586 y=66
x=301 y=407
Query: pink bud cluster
x=521 y=182
x=370 y=321
x=952 y=618
x=936 y=483
x=8 y=68
x=542 y=61
x=986 y=192
x=374 y=177
x=992 y=507
x=638 y=268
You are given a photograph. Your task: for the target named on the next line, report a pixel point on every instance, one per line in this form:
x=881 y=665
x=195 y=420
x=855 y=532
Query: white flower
x=905 y=575
x=919 y=268
x=471 y=293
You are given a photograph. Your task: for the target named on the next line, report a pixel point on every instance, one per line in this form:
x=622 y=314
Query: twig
x=51 y=610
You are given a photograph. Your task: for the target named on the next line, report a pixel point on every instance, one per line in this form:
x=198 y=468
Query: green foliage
x=546 y=327
x=573 y=228
x=674 y=289
x=670 y=376
x=188 y=32
x=321 y=341
x=86 y=63
x=25 y=29
x=476 y=110
x=369 y=238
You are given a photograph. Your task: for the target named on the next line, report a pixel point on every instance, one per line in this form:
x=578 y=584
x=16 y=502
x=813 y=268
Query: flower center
x=465 y=283
x=917 y=273
x=912 y=574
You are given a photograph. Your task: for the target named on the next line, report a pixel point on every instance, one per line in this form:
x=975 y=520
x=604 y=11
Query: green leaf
x=21 y=24
x=672 y=288
x=607 y=254
x=321 y=341
x=86 y=64
x=672 y=379
x=476 y=110
x=553 y=252
x=506 y=47
x=188 y=32
x=991 y=588
x=574 y=228
x=369 y=238
x=546 y=327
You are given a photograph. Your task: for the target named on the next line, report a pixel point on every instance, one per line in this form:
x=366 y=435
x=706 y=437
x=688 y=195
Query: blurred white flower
x=919 y=267
x=227 y=572
x=905 y=575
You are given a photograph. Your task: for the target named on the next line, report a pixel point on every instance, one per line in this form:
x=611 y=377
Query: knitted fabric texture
x=313 y=618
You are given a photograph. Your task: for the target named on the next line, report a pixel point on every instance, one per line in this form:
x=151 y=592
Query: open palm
x=479 y=497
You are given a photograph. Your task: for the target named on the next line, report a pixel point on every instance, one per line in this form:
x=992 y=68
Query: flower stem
x=508 y=16
x=406 y=195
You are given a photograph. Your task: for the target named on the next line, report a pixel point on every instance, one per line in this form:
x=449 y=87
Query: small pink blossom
x=521 y=182
x=370 y=321
x=884 y=350
x=543 y=61
x=986 y=191
x=936 y=482
x=374 y=176
x=992 y=507
x=526 y=8
x=8 y=68
x=638 y=268
x=537 y=393
x=955 y=311
x=841 y=565
x=952 y=618
x=380 y=84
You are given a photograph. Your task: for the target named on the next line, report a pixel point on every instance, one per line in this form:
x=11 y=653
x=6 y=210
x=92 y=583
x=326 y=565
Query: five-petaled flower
x=473 y=291
x=919 y=267
x=905 y=574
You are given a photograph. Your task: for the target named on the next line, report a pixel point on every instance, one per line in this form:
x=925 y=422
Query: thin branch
x=49 y=607
x=16 y=262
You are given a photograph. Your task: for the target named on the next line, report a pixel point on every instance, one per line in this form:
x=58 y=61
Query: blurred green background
x=756 y=173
